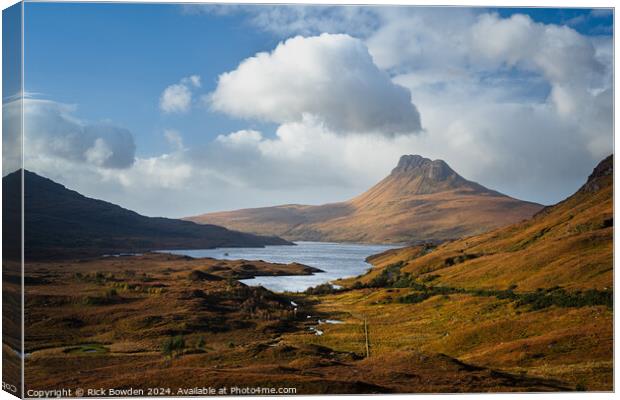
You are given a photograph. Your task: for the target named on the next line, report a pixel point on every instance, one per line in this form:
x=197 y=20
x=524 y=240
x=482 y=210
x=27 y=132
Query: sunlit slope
x=568 y=245
x=421 y=200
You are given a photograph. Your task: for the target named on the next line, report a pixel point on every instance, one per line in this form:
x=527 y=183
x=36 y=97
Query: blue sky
x=113 y=60
x=107 y=66
x=11 y=45
x=583 y=20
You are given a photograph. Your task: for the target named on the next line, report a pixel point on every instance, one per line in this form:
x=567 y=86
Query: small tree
x=201 y=343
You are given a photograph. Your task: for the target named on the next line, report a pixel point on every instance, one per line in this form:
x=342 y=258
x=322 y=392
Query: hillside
x=569 y=244
x=534 y=298
x=60 y=222
x=421 y=200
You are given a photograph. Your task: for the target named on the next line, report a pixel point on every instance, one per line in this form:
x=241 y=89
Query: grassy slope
x=568 y=245
x=572 y=345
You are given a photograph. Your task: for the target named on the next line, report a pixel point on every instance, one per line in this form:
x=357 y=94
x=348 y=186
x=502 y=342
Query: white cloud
x=305 y=155
x=412 y=38
x=329 y=77
x=52 y=130
x=177 y=98
x=240 y=138
x=563 y=56
x=166 y=171
x=99 y=153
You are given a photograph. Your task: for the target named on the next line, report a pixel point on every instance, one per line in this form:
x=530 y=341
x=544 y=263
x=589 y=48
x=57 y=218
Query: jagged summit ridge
x=415 y=160
x=416 y=165
x=421 y=175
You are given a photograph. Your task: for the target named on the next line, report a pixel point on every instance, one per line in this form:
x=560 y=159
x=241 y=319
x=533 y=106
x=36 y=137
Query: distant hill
x=421 y=200
x=569 y=244
x=60 y=222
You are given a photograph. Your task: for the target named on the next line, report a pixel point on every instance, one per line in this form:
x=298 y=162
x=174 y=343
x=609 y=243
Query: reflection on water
x=338 y=260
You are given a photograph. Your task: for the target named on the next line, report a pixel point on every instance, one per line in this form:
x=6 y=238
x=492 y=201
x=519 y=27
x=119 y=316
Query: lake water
x=338 y=260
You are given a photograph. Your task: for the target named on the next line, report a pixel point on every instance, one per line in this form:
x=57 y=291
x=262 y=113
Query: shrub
x=429 y=278
x=110 y=296
x=450 y=261
x=166 y=347
x=173 y=346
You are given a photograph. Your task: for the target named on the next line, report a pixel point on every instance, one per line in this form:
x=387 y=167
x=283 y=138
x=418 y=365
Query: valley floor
x=163 y=321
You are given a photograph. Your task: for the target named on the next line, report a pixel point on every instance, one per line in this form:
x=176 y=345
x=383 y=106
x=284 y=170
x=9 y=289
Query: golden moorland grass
x=573 y=345
x=108 y=322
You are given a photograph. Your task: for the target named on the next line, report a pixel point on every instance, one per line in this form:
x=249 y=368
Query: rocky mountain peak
x=416 y=165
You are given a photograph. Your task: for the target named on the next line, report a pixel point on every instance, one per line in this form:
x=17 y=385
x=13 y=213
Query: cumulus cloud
x=302 y=156
x=177 y=98
x=331 y=77
x=53 y=130
x=420 y=38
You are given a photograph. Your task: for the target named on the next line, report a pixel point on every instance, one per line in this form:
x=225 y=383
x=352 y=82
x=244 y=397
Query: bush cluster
x=392 y=277
x=325 y=288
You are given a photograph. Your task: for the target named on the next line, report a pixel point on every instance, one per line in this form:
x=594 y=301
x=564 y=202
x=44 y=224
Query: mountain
x=569 y=244
x=421 y=200
x=60 y=222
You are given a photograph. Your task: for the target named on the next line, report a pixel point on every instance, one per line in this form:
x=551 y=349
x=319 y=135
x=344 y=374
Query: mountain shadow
x=60 y=222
